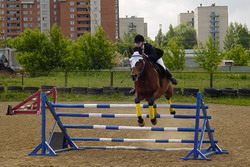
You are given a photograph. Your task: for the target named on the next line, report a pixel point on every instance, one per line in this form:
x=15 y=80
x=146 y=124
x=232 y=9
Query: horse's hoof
x=154 y=121
x=141 y=124
x=172 y=112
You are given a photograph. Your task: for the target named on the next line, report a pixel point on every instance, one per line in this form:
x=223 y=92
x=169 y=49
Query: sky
x=156 y=12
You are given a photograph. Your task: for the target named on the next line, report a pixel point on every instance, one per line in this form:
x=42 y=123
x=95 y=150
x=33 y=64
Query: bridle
x=135 y=77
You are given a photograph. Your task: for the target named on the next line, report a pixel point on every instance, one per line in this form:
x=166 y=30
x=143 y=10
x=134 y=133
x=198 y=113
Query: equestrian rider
x=154 y=54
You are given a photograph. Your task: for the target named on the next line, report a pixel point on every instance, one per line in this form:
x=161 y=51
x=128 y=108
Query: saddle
x=160 y=71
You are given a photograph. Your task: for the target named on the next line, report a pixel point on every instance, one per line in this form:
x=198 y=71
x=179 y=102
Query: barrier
x=34 y=106
x=197 y=152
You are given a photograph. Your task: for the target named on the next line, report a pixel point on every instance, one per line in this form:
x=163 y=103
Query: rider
x=154 y=55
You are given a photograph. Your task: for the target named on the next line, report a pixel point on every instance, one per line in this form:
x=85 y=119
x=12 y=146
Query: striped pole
x=109 y=127
x=100 y=115
x=180 y=106
x=139 y=140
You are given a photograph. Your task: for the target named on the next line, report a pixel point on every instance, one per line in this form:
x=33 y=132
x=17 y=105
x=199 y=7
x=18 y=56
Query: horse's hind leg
x=138 y=111
x=152 y=110
x=172 y=111
x=168 y=96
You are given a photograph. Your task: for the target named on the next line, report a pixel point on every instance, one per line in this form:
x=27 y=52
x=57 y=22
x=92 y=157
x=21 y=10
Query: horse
x=148 y=86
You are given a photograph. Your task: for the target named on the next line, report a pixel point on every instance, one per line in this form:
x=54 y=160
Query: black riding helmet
x=139 y=38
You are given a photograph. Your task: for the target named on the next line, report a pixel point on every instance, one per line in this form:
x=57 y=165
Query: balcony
x=27 y=1
x=82 y=12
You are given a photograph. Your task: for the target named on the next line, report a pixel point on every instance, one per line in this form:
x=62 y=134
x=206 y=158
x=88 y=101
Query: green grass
x=116 y=98
x=122 y=78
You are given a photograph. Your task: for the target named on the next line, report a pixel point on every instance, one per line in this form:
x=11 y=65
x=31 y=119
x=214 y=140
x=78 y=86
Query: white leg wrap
x=160 y=61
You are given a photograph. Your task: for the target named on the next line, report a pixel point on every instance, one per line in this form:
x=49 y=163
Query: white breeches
x=160 y=61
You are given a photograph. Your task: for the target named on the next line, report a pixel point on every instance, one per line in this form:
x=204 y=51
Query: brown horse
x=148 y=86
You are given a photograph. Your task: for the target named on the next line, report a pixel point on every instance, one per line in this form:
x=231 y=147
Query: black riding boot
x=170 y=77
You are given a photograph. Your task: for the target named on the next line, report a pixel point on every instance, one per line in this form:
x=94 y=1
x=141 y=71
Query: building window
x=72 y=16
x=25 y=12
x=54 y=6
x=30 y=12
x=25 y=19
x=72 y=35
x=31 y=19
x=44 y=6
x=38 y=19
x=25 y=25
x=44 y=12
x=72 y=29
x=54 y=12
x=72 y=22
x=72 y=3
x=24 y=6
x=45 y=25
x=71 y=9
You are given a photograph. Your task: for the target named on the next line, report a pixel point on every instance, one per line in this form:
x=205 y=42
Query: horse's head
x=137 y=65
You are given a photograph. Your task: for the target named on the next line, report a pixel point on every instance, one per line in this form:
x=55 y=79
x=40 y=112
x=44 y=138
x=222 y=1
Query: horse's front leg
x=151 y=110
x=138 y=111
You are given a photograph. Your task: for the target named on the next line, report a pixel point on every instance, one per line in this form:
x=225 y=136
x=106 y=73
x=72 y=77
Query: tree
x=174 y=54
x=239 y=55
x=208 y=56
x=237 y=34
x=96 y=51
x=40 y=51
x=32 y=47
x=159 y=39
x=129 y=37
x=185 y=31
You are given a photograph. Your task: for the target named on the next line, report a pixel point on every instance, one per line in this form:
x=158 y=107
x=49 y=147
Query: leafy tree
x=97 y=50
x=159 y=39
x=32 y=47
x=174 y=54
x=129 y=37
x=40 y=51
x=239 y=55
x=185 y=31
x=170 y=34
x=237 y=34
x=208 y=56
x=124 y=48
x=59 y=46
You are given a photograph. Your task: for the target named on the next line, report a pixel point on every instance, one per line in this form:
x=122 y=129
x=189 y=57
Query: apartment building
x=136 y=24
x=208 y=21
x=73 y=16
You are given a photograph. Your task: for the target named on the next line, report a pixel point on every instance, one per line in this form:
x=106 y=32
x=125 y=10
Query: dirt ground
x=20 y=134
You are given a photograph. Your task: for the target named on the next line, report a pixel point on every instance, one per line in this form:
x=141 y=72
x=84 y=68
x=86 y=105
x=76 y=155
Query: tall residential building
x=73 y=16
x=133 y=23
x=208 y=21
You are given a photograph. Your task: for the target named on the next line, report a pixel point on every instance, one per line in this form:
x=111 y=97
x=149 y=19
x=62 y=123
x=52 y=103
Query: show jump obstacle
x=202 y=126
x=31 y=105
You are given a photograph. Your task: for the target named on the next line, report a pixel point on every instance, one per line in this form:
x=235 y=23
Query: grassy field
x=122 y=78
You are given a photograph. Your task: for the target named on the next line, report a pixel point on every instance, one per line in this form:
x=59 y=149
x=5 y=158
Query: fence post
x=111 y=78
x=66 y=78
x=22 y=73
x=211 y=79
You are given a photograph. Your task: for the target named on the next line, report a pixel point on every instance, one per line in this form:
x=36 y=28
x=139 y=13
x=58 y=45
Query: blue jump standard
x=196 y=153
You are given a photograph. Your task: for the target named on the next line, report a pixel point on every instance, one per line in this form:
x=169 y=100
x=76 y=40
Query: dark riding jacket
x=153 y=53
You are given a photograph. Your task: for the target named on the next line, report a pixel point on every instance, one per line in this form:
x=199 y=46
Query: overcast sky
x=156 y=12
